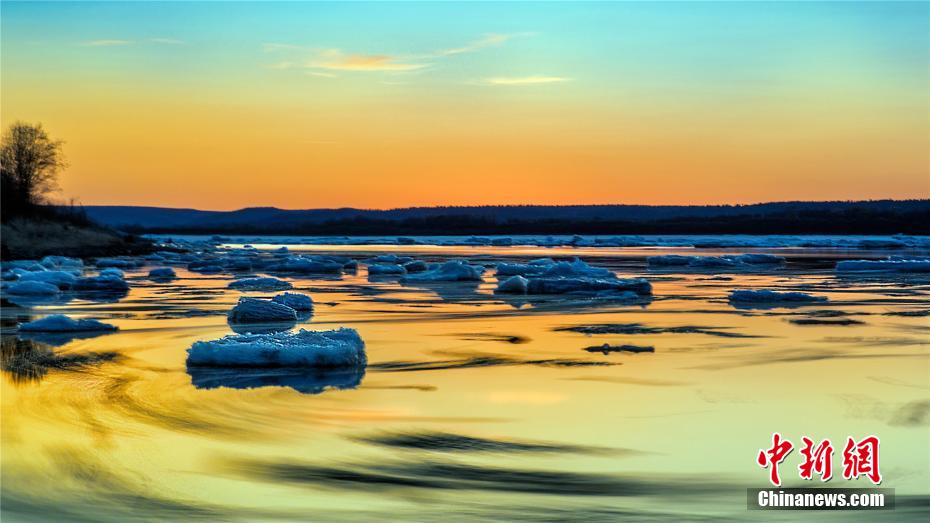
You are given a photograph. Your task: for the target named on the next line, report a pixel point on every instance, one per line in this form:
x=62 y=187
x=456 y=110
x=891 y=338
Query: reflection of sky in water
x=470 y=406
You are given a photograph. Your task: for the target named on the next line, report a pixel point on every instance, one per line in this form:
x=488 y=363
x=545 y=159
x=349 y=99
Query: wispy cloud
x=106 y=43
x=321 y=74
x=525 y=80
x=167 y=41
x=487 y=40
x=336 y=60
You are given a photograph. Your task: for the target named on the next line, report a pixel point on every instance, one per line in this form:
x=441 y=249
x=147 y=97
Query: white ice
x=254 y=310
x=62 y=323
x=336 y=348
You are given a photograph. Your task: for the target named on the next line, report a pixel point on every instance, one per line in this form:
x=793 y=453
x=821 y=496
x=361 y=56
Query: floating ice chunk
x=298 y=302
x=403 y=240
x=104 y=282
x=26 y=265
x=392 y=259
x=513 y=285
x=577 y=268
x=308 y=265
x=112 y=272
x=759 y=259
x=61 y=279
x=454 y=270
x=740 y=262
x=62 y=323
x=119 y=263
x=162 y=273
x=254 y=310
x=895 y=264
x=336 y=348
x=558 y=285
x=61 y=262
x=522 y=269
x=768 y=296
x=260 y=284
x=416 y=266
x=386 y=268
x=205 y=266
x=502 y=242
x=32 y=288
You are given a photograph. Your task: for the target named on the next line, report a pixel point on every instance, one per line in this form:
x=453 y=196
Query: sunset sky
x=301 y=105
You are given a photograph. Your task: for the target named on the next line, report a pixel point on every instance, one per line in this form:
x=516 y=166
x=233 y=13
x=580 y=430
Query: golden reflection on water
x=122 y=429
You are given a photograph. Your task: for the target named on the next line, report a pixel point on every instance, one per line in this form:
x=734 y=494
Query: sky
x=380 y=105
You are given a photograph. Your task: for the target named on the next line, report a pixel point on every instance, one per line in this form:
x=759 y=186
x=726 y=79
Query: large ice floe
x=260 y=284
x=576 y=277
x=891 y=264
x=310 y=265
x=109 y=282
x=255 y=310
x=379 y=269
x=740 y=262
x=765 y=297
x=61 y=279
x=326 y=349
x=455 y=270
x=32 y=288
x=298 y=302
x=162 y=273
x=118 y=263
x=62 y=323
x=513 y=285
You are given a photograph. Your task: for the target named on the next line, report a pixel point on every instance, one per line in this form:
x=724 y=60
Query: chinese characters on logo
x=860 y=458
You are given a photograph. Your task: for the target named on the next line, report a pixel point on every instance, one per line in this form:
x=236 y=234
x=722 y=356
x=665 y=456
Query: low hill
x=863 y=217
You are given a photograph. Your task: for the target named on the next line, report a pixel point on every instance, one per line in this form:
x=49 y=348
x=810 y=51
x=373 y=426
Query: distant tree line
x=848 y=221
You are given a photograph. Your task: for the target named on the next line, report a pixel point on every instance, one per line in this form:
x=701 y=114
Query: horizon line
x=471 y=206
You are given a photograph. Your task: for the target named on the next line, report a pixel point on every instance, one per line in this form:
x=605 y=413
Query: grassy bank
x=29 y=238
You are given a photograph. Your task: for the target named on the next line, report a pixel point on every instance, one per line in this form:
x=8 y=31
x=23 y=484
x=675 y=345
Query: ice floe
x=416 y=266
x=162 y=273
x=103 y=282
x=61 y=279
x=893 y=264
x=455 y=270
x=335 y=348
x=298 y=302
x=513 y=285
x=254 y=310
x=260 y=284
x=379 y=269
x=736 y=262
x=119 y=263
x=32 y=288
x=765 y=296
x=62 y=323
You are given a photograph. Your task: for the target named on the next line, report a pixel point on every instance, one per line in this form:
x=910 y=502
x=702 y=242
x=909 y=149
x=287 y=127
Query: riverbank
x=23 y=238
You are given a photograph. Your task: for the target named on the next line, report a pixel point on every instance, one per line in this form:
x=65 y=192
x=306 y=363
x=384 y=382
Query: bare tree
x=29 y=163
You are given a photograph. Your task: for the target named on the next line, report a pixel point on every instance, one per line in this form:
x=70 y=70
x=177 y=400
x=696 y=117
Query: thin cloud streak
x=335 y=60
